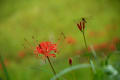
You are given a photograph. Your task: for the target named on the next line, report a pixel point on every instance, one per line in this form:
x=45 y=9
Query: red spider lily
x=116 y=40
x=96 y=47
x=79 y=52
x=45 y=48
x=92 y=33
x=103 y=45
x=21 y=54
x=81 y=26
x=99 y=47
x=112 y=47
x=70 y=40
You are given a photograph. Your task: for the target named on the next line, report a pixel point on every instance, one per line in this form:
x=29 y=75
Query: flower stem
x=4 y=68
x=53 y=70
x=85 y=40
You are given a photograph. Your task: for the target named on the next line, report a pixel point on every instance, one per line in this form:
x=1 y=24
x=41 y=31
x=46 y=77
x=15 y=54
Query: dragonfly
x=84 y=19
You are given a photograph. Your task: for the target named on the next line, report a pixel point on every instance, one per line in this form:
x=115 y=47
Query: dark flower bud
x=70 y=61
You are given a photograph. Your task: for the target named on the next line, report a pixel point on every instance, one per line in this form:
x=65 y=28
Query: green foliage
x=118 y=46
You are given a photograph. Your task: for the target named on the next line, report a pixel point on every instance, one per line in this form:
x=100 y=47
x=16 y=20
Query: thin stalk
x=53 y=70
x=85 y=40
x=4 y=68
x=87 y=48
x=73 y=74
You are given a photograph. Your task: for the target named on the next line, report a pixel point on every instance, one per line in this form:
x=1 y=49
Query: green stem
x=4 y=68
x=85 y=40
x=87 y=48
x=53 y=70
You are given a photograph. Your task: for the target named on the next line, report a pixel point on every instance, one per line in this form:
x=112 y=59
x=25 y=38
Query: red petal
x=79 y=26
x=83 y=25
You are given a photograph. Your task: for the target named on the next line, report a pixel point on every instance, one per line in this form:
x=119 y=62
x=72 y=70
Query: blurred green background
x=46 y=19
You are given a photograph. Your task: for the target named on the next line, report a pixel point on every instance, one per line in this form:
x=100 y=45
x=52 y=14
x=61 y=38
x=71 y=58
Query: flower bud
x=79 y=26
x=70 y=61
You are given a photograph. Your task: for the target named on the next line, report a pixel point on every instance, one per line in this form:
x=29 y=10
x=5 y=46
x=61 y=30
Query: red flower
x=45 y=48
x=0 y=66
x=112 y=47
x=70 y=40
x=81 y=25
x=6 y=62
x=116 y=40
x=21 y=54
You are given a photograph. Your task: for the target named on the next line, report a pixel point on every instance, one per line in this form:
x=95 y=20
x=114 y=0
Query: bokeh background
x=45 y=20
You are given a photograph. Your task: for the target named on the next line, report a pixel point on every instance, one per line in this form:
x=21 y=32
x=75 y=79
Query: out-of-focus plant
x=103 y=69
x=3 y=66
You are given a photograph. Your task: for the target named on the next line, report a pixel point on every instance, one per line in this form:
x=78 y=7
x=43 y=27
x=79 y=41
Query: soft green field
x=45 y=20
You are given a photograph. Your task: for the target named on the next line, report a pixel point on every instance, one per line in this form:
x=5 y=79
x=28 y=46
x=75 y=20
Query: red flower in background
x=6 y=63
x=21 y=54
x=70 y=40
x=79 y=52
x=0 y=66
x=46 y=48
x=116 y=40
x=112 y=47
